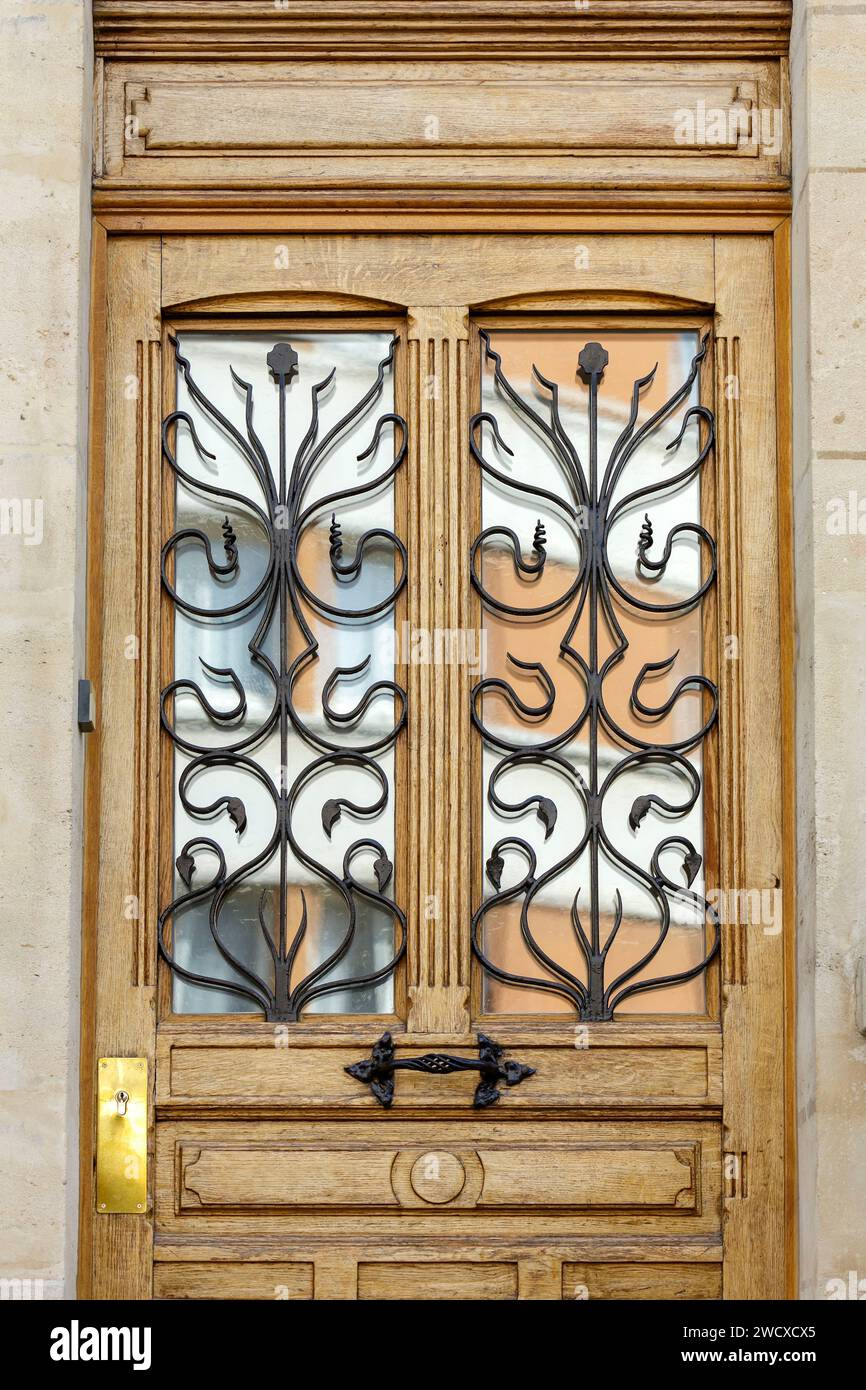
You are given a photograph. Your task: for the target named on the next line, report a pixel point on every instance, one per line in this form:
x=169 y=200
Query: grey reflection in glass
x=206 y=649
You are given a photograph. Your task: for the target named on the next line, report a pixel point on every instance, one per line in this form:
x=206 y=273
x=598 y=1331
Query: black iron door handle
x=377 y=1070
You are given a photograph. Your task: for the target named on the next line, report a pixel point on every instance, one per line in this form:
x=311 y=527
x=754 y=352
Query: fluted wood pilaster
x=439 y=791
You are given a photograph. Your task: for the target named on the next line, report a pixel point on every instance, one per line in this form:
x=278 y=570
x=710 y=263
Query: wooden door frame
x=132 y=1026
x=156 y=180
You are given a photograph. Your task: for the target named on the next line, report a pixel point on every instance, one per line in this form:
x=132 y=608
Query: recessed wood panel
x=225 y=1177
x=642 y=1281
x=558 y=112
x=233 y=1279
x=590 y=1175
x=261 y=1076
x=261 y=1177
x=439 y=1280
x=413 y=126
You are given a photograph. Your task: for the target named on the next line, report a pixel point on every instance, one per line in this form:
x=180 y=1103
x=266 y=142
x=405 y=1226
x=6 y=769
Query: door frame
x=130 y=1020
x=158 y=180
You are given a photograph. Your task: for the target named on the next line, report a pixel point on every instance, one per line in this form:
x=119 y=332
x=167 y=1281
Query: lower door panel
x=468 y=1209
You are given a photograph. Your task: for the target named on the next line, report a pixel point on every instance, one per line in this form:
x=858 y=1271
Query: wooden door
x=435 y=844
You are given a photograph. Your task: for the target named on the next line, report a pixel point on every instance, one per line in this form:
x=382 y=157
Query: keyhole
x=122 y=1099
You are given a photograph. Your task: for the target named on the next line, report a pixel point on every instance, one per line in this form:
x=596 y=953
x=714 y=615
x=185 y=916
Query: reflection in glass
x=538 y=689
x=285 y=674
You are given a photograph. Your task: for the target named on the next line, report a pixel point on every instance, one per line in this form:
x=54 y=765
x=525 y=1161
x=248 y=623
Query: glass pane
x=593 y=804
x=284 y=570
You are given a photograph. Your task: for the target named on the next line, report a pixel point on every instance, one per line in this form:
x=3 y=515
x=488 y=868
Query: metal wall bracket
x=121 y=1135
x=378 y=1069
x=86 y=707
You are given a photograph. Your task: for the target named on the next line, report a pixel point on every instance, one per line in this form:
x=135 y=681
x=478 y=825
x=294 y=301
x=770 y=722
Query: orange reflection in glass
x=651 y=639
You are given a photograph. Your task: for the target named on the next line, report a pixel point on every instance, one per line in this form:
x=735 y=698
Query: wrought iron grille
x=593 y=601
x=279 y=504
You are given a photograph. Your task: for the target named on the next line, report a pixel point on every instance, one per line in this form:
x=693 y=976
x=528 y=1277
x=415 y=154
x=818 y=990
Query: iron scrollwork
x=282 y=509
x=590 y=510
x=377 y=1070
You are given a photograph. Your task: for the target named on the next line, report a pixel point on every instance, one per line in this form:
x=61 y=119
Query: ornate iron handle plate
x=377 y=1070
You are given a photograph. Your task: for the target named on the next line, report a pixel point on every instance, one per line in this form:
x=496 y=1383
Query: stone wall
x=45 y=172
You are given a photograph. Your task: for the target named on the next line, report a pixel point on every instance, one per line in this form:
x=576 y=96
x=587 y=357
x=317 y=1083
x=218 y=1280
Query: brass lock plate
x=121 y=1135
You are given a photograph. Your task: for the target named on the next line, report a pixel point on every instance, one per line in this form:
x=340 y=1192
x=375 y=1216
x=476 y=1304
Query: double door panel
x=451 y=566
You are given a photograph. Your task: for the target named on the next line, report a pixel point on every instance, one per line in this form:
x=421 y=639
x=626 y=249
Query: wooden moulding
x=439 y=28
x=221 y=1177
x=392 y=134
x=508 y=107
x=230 y=1178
